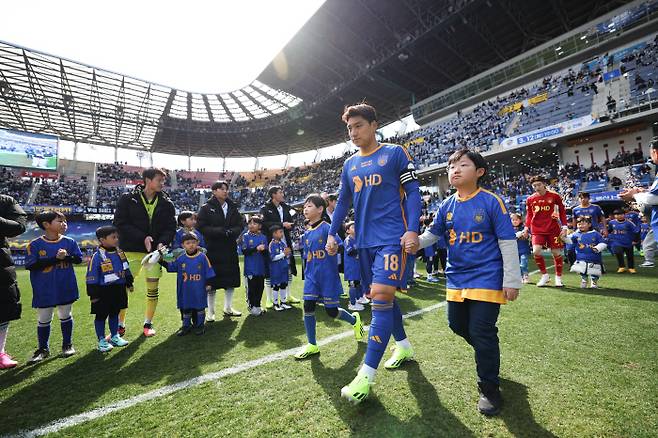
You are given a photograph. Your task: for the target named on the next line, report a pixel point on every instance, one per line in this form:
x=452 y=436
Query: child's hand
x=286 y=251
x=208 y=288
x=260 y=247
x=61 y=254
x=510 y=293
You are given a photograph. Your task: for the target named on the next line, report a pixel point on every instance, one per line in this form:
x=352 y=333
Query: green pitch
x=574 y=363
x=21 y=160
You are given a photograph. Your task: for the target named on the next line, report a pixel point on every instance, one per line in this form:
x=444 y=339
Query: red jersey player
x=546 y=220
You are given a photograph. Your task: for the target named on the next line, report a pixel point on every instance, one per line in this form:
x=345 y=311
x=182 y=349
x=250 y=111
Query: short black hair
x=517 y=215
x=275 y=227
x=188 y=236
x=332 y=197
x=218 y=184
x=48 y=216
x=477 y=159
x=151 y=172
x=583 y=195
x=584 y=219
x=618 y=211
x=183 y=216
x=256 y=219
x=362 y=109
x=316 y=200
x=654 y=143
x=538 y=178
x=348 y=225
x=105 y=230
x=273 y=190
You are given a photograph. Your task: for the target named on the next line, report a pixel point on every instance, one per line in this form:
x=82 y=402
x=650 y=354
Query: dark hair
x=48 y=216
x=517 y=215
x=618 y=211
x=477 y=159
x=538 y=178
x=348 y=225
x=583 y=195
x=256 y=219
x=151 y=172
x=274 y=228
x=316 y=200
x=654 y=143
x=362 y=109
x=188 y=236
x=584 y=219
x=273 y=190
x=218 y=184
x=332 y=197
x=106 y=230
x=183 y=216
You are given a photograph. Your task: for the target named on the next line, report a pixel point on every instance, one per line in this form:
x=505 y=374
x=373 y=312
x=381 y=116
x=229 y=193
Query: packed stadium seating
x=12 y=185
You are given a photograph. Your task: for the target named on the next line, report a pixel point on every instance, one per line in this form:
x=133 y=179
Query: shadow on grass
x=517 y=413
x=281 y=328
x=609 y=292
x=81 y=383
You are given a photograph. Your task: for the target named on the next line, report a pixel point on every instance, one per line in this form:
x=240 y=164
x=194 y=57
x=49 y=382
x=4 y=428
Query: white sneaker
x=558 y=281
x=647 y=265
x=583 y=284
x=525 y=279
x=278 y=308
x=356 y=307
x=543 y=281
x=363 y=300
x=284 y=306
x=210 y=317
x=594 y=285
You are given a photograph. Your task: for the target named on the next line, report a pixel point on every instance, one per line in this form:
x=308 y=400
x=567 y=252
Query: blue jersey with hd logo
x=193 y=273
x=584 y=244
x=593 y=211
x=473 y=226
x=374 y=184
x=321 y=268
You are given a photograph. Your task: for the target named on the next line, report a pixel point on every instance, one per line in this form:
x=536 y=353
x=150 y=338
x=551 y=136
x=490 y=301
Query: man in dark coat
x=221 y=224
x=12 y=224
x=277 y=212
x=146 y=221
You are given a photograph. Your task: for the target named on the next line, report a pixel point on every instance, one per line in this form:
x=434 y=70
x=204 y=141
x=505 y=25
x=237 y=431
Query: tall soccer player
x=380 y=182
x=546 y=220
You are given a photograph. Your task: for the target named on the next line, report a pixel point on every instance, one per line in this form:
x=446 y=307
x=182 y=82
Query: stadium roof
x=389 y=53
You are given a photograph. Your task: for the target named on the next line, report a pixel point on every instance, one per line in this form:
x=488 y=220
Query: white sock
x=228 y=299
x=368 y=371
x=4 y=328
x=275 y=296
x=212 y=295
x=403 y=343
x=268 y=293
x=283 y=294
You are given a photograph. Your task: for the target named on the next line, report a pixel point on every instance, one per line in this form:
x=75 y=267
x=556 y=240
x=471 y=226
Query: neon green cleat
x=357 y=390
x=359 y=333
x=400 y=355
x=292 y=299
x=307 y=352
x=268 y=304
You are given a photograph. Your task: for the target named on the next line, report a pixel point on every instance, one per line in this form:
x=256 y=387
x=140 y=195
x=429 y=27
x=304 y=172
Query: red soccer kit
x=542 y=219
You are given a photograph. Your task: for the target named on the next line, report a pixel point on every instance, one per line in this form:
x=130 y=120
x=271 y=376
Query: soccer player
x=279 y=268
x=380 y=182
x=50 y=259
x=546 y=220
x=483 y=270
x=622 y=234
x=108 y=276
x=588 y=244
x=321 y=278
x=586 y=208
x=352 y=271
x=254 y=249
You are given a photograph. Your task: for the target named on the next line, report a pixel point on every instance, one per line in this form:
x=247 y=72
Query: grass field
x=575 y=362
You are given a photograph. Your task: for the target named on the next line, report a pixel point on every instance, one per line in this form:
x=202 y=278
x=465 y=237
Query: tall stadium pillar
x=116 y=154
x=75 y=150
x=189 y=162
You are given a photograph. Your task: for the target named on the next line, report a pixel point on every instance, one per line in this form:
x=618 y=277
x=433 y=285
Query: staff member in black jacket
x=221 y=224
x=12 y=224
x=277 y=212
x=146 y=221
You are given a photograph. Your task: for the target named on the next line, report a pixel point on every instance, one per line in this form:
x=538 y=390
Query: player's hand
x=525 y=233
x=287 y=225
x=563 y=233
x=604 y=233
x=510 y=293
x=627 y=194
x=208 y=288
x=409 y=242
x=286 y=251
x=331 y=246
x=260 y=247
x=148 y=242
x=61 y=254
x=160 y=246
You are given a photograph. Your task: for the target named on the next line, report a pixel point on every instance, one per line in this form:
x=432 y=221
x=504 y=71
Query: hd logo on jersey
x=374 y=179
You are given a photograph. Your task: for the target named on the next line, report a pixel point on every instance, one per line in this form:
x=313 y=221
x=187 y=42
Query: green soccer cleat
x=357 y=390
x=307 y=352
x=359 y=332
x=269 y=304
x=400 y=355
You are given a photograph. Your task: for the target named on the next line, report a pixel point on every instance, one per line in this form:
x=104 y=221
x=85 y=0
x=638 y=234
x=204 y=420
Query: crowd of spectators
x=14 y=186
x=114 y=172
x=64 y=191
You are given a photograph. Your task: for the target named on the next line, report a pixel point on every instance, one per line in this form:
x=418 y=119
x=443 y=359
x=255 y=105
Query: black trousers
x=619 y=253
x=255 y=286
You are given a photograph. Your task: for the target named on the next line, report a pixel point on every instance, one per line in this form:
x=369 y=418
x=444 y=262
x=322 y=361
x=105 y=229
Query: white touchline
x=94 y=414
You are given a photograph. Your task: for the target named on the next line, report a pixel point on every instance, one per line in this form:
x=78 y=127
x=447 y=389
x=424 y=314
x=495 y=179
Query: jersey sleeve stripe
x=498 y=198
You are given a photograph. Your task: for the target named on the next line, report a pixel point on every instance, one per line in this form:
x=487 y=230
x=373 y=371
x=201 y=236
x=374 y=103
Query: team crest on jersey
x=251 y=241
x=306 y=242
x=183 y=265
x=449 y=216
x=42 y=253
x=198 y=266
x=478 y=217
x=319 y=240
x=382 y=160
x=353 y=168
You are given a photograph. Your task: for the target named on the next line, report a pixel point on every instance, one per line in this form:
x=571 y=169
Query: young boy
x=108 y=276
x=588 y=244
x=352 y=272
x=523 y=245
x=622 y=234
x=187 y=223
x=50 y=260
x=279 y=253
x=254 y=246
x=194 y=271
x=321 y=279
x=482 y=271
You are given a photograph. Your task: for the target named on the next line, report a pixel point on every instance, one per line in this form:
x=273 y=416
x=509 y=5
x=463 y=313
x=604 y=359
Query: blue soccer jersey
x=621 y=233
x=254 y=260
x=644 y=230
x=634 y=217
x=351 y=264
x=107 y=267
x=321 y=277
x=53 y=282
x=278 y=265
x=593 y=211
x=178 y=238
x=584 y=244
x=522 y=244
x=193 y=274
x=475 y=264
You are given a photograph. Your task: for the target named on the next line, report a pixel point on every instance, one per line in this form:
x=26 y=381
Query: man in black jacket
x=277 y=212
x=12 y=224
x=146 y=221
x=221 y=224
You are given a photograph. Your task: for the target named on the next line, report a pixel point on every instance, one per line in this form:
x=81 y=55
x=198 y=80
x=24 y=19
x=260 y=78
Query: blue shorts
x=383 y=265
x=325 y=290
